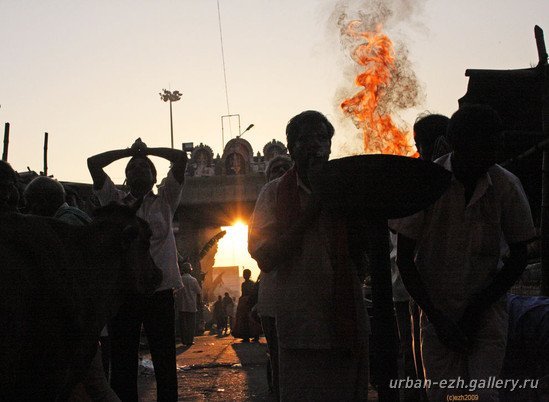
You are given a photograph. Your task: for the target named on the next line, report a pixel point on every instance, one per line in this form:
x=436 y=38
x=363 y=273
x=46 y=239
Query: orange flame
x=380 y=133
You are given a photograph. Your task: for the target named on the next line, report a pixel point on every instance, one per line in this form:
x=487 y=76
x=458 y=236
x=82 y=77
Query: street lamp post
x=242 y=133
x=168 y=96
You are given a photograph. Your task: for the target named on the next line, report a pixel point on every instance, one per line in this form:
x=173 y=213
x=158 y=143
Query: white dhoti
x=482 y=364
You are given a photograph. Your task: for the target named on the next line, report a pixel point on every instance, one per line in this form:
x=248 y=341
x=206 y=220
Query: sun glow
x=233 y=249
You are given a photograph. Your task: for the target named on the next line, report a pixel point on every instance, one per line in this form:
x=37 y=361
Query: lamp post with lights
x=168 y=96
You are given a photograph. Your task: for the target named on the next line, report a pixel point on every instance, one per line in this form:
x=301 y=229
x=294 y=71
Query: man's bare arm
x=97 y=163
x=176 y=156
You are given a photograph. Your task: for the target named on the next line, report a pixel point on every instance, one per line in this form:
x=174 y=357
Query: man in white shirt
x=450 y=261
x=156 y=313
x=320 y=312
x=186 y=301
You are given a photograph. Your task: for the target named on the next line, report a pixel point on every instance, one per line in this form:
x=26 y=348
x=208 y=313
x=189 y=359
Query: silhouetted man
x=450 y=261
x=430 y=136
x=45 y=196
x=227 y=308
x=320 y=315
x=186 y=301
x=155 y=312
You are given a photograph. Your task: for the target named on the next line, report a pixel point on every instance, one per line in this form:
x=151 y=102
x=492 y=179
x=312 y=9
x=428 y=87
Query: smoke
x=391 y=13
x=404 y=90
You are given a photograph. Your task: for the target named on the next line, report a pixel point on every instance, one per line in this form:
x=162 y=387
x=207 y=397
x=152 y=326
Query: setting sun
x=233 y=249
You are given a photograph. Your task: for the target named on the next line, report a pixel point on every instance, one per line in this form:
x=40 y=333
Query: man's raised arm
x=177 y=157
x=97 y=162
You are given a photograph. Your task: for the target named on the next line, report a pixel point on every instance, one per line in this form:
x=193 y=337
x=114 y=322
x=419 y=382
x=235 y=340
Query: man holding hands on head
x=155 y=312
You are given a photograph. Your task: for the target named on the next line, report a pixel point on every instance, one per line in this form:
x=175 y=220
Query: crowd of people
x=449 y=274
x=448 y=265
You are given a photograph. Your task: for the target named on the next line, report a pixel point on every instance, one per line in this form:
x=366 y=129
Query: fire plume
x=375 y=54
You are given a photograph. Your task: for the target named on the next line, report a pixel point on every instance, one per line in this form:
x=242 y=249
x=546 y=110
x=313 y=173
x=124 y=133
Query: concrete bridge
x=207 y=204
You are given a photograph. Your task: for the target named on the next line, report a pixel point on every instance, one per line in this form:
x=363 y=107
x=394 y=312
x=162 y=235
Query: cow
x=59 y=284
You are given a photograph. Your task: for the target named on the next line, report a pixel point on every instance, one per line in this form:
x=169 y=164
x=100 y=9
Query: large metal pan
x=385 y=186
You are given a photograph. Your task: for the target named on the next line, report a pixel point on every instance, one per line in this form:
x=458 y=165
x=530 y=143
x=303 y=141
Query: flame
x=376 y=55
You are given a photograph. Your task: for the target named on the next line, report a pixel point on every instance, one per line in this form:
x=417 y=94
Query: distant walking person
x=245 y=327
x=450 y=260
x=219 y=315
x=232 y=315
x=186 y=301
x=228 y=310
x=156 y=313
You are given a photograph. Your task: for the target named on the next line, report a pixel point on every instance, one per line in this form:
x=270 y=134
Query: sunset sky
x=89 y=72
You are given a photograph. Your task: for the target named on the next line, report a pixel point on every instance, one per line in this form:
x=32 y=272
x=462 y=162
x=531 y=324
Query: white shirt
x=185 y=298
x=158 y=211
x=458 y=245
x=304 y=285
x=304 y=290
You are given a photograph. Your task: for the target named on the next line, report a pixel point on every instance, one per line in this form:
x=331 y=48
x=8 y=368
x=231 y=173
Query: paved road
x=215 y=369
